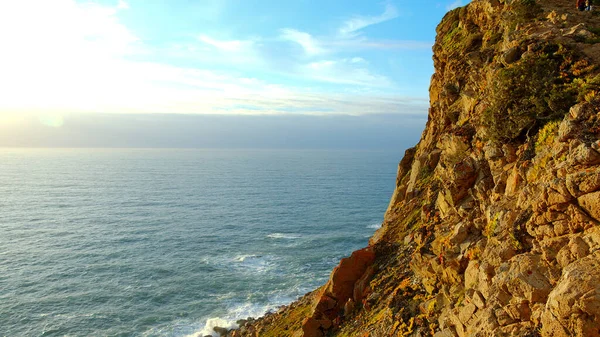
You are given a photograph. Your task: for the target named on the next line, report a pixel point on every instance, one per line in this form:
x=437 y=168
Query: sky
x=69 y=60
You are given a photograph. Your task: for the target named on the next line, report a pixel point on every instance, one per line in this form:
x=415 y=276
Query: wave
x=374 y=226
x=287 y=236
x=243 y=311
x=254 y=263
x=242 y=258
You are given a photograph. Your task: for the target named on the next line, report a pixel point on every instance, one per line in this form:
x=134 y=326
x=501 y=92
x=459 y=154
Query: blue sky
x=216 y=56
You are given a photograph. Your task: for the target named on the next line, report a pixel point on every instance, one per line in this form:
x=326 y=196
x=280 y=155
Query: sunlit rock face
x=493 y=228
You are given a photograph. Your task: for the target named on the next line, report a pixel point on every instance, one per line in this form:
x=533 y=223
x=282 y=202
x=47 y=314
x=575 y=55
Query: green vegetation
x=546 y=136
x=523 y=11
x=491 y=226
x=457 y=38
x=530 y=92
x=526 y=9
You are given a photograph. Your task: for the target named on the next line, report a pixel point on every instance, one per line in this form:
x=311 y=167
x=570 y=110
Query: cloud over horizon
x=73 y=56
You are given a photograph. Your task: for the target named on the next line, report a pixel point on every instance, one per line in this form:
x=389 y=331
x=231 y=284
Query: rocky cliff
x=494 y=226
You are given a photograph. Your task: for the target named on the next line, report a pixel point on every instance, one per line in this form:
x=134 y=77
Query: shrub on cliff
x=529 y=93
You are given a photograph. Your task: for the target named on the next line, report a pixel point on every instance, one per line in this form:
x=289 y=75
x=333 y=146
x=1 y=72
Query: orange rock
x=311 y=328
x=348 y=272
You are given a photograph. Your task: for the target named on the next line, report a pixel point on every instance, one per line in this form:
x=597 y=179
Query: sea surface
x=142 y=242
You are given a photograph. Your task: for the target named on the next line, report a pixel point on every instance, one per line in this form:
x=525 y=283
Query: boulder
x=573 y=307
x=582 y=182
x=347 y=273
x=591 y=204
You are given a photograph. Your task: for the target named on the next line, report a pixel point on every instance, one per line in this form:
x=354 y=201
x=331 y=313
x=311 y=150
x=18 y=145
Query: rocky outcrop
x=494 y=225
x=348 y=285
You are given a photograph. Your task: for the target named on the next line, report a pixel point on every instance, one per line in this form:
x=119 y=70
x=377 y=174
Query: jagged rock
x=591 y=204
x=512 y=55
x=583 y=182
x=585 y=155
x=581 y=111
x=573 y=306
x=577 y=248
x=347 y=273
x=221 y=331
x=525 y=277
x=343 y=285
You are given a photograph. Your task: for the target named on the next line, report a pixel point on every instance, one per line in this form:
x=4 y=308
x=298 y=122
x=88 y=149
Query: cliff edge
x=494 y=226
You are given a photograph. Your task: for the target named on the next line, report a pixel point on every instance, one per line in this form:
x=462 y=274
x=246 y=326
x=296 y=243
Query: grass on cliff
x=533 y=91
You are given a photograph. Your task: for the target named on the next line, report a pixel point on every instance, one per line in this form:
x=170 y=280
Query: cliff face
x=494 y=226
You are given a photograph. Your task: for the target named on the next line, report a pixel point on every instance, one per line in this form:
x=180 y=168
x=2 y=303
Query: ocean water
x=140 y=242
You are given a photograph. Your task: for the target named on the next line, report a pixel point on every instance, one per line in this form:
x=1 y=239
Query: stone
x=524 y=277
x=573 y=306
x=472 y=274
x=581 y=111
x=478 y=300
x=567 y=129
x=576 y=249
x=341 y=287
x=591 y=204
x=221 y=331
x=460 y=233
x=347 y=273
x=311 y=327
x=466 y=312
x=512 y=55
x=445 y=333
x=503 y=317
x=349 y=307
x=361 y=287
x=585 y=155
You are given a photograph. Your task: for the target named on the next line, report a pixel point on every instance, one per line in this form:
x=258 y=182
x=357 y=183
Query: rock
x=583 y=182
x=221 y=331
x=342 y=286
x=349 y=307
x=347 y=273
x=513 y=182
x=311 y=327
x=512 y=55
x=460 y=233
x=585 y=155
x=466 y=312
x=492 y=151
x=576 y=249
x=503 y=317
x=573 y=306
x=567 y=129
x=472 y=274
x=581 y=111
x=591 y=204
x=478 y=300
x=525 y=277
x=445 y=333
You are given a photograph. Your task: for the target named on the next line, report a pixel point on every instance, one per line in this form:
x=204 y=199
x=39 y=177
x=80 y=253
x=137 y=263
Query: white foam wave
x=241 y=311
x=374 y=226
x=242 y=258
x=212 y=323
x=286 y=236
x=254 y=263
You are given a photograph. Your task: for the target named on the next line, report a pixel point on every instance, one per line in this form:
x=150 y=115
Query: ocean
x=171 y=242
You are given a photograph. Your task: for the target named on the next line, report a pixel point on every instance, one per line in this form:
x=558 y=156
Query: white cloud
x=122 y=5
x=454 y=5
x=310 y=45
x=357 y=23
x=66 y=56
x=346 y=71
x=231 y=45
